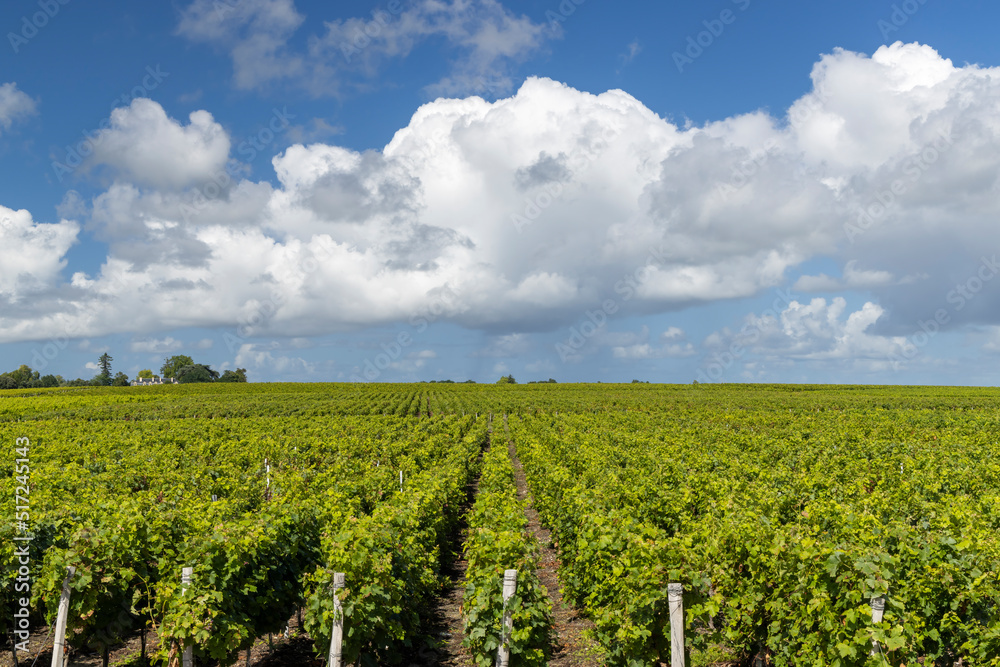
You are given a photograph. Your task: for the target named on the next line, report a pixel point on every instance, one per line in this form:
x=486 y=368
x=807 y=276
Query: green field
x=784 y=510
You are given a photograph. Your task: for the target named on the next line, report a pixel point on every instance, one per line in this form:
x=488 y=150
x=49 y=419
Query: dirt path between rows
x=445 y=623
x=570 y=648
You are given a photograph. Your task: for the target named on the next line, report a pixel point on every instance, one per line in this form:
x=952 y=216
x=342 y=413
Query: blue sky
x=725 y=191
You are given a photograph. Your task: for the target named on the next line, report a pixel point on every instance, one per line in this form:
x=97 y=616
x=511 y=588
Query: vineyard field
x=784 y=510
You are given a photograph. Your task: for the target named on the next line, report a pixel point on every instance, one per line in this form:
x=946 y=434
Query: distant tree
x=470 y=382
x=50 y=381
x=196 y=373
x=79 y=382
x=23 y=375
x=173 y=364
x=145 y=374
x=104 y=363
x=103 y=378
x=239 y=375
x=7 y=381
x=508 y=379
x=121 y=380
x=551 y=381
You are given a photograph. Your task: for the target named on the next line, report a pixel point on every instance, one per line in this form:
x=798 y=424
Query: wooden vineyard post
x=59 y=643
x=509 y=588
x=878 y=609
x=337 y=638
x=675 y=597
x=188 y=656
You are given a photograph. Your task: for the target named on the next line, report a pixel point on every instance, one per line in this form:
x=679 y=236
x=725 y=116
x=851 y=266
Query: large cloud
x=523 y=214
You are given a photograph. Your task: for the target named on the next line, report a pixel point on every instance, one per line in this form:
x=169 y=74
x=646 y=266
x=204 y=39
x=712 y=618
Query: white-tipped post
x=878 y=609
x=59 y=644
x=188 y=657
x=337 y=639
x=675 y=597
x=509 y=588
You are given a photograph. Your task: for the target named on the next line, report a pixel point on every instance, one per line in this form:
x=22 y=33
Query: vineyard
x=785 y=512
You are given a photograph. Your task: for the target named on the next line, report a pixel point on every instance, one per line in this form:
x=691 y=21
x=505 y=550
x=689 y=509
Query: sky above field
x=584 y=190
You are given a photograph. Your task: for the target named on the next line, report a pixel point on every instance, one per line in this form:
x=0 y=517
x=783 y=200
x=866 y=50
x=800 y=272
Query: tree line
x=179 y=368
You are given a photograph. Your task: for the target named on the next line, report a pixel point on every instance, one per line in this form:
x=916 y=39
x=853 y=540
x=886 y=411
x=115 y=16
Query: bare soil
x=570 y=647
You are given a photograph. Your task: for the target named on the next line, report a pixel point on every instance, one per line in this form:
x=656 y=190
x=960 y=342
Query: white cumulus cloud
x=147 y=147
x=525 y=214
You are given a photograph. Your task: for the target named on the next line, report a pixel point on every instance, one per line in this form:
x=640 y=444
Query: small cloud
x=853 y=278
x=540 y=366
x=318 y=129
x=504 y=347
x=190 y=98
x=673 y=333
x=157 y=346
x=672 y=347
x=634 y=49
x=72 y=206
x=14 y=105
